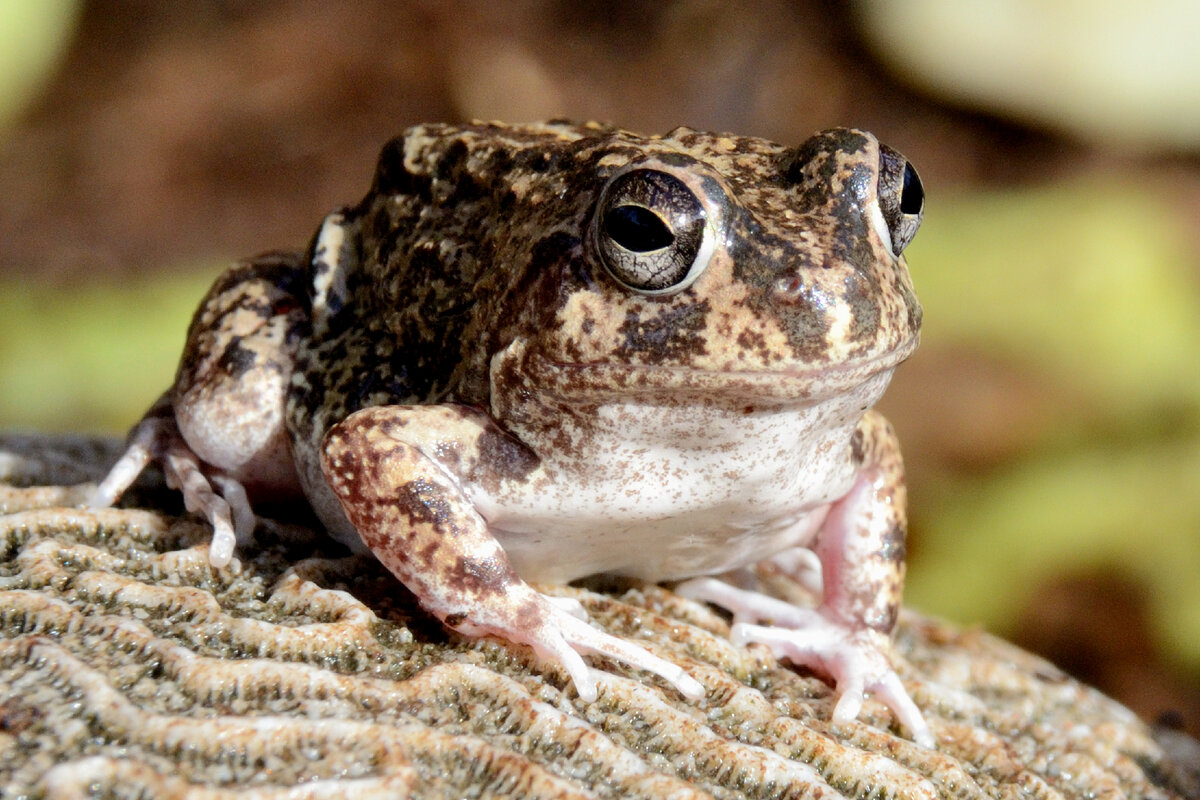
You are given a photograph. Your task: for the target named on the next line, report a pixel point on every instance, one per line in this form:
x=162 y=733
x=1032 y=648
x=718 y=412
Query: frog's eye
x=652 y=232
x=901 y=198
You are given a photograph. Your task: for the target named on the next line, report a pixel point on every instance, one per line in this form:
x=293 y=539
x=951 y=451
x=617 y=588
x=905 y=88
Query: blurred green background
x=1051 y=419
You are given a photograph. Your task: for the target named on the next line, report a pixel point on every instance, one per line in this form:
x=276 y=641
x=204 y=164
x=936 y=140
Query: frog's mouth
x=804 y=385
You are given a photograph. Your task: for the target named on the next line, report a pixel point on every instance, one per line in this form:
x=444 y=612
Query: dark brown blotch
x=761 y=260
x=424 y=503
x=858 y=452
x=502 y=457
x=481 y=575
x=392 y=177
x=540 y=283
x=236 y=360
x=753 y=341
x=536 y=159
x=452 y=161
x=674 y=334
x=885 y=620
x=816 y=160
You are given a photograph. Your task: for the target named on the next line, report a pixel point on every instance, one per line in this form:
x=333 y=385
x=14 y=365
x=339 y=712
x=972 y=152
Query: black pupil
x=638 y=229
x=913 y=195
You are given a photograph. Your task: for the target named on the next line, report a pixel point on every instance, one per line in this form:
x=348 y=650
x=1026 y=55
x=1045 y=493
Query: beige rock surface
x=129 y=667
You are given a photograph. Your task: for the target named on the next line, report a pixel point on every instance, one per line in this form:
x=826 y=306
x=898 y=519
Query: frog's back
x=461 y=226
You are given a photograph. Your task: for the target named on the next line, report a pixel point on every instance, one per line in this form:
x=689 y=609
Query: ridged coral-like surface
x=129 y=667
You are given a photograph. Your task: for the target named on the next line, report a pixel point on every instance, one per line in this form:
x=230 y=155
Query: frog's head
x=738 y=266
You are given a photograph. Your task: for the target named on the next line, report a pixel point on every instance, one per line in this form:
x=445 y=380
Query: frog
x=535 y=353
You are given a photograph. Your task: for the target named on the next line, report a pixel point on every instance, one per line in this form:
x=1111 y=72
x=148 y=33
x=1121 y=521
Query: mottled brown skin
x=436 y=303
x=236 y=366
x=539 y=352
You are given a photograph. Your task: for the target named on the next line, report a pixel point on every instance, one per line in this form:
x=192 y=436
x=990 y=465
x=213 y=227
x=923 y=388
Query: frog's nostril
x=788 y=288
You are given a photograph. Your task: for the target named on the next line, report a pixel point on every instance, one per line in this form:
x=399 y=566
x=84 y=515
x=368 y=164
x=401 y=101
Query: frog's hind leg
x=219 y=432
x=859 y=550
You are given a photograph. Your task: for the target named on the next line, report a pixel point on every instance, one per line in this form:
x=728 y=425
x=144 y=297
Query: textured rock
x=130 y=667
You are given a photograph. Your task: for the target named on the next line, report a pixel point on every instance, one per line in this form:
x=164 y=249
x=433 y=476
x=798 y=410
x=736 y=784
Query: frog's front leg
x=399 y=474
x=860 y=546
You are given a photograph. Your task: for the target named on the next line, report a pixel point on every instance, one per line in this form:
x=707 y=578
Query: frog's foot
x=226 y=507
x=558 y=631
x=856 y=659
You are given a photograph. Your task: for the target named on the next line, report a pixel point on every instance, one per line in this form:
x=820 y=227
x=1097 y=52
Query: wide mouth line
x=569 y=380
x=865 y=367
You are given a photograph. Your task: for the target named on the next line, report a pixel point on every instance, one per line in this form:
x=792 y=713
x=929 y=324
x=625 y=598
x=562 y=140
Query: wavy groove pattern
x=129 y=667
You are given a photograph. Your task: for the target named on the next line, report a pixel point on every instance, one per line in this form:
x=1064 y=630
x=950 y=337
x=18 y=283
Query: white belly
x=661 y=497
x=665 y=550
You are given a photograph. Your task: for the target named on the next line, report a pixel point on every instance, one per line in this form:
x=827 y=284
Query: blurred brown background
x=1051 y=419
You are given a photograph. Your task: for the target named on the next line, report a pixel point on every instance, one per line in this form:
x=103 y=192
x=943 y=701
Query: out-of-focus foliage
x=1108 y=70
x=1091 y=282
x=32 y=37
x=94 y=357
x=1091 y=286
